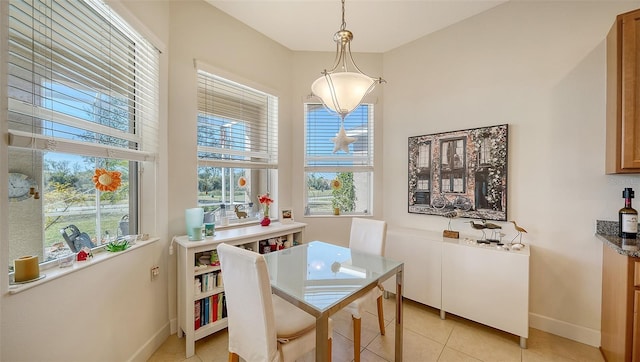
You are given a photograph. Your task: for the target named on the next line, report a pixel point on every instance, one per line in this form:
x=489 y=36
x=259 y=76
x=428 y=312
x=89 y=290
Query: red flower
x=265 y=199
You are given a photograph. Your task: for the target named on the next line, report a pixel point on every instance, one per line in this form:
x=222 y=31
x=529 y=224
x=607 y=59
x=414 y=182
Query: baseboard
x=174 y=325
x=563 y=329
x=146 y=350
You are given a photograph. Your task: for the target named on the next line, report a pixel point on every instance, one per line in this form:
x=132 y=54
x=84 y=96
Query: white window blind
x=80 y=81
x=237 y=125
x=321 y=127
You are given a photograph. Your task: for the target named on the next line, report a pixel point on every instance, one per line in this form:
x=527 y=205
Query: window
x=423 y=174
x=237 y=147
x=452 y=165
x=484 y=152
x=81 y=90
x=354 y=170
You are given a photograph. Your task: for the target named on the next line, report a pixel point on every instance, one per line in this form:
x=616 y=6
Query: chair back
x=368 y=235
x=252 y=330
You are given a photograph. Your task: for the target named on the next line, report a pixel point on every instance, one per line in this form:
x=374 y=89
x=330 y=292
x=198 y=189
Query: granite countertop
x=607 y=231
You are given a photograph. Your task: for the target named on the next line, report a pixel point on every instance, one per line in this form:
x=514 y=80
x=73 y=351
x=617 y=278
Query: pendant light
x=341 y=89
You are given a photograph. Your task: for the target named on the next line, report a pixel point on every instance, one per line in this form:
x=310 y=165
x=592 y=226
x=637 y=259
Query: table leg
x=399 y=280
x=523 y=343
x=322 y=333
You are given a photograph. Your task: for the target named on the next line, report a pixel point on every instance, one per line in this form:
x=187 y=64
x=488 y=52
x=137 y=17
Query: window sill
x=341 y=215
x=235 y=224
x=58 y=272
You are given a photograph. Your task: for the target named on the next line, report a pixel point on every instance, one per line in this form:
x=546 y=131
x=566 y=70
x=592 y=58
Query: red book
x=215 y=307
x=196 y=314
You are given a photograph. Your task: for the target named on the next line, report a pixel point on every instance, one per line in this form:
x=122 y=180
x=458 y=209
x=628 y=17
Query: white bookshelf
x=251 y=237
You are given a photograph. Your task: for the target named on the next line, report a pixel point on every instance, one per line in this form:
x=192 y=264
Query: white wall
x=540 y=67
x=111 y=311
x=200 y=31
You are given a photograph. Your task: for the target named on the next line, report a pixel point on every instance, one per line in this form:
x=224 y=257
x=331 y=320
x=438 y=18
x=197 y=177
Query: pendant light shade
x=340 y=89
x=342 y=92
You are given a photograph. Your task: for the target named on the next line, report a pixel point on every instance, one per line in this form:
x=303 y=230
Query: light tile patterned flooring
x=426 y=338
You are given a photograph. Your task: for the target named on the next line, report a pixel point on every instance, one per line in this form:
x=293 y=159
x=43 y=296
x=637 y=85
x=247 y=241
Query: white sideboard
x=250 y=237
x=476 y=281
x=421 y=252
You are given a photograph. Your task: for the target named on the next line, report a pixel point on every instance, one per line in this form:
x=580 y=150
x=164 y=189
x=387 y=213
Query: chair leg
x=380 y=316
x=233 y=357
x=357 y=326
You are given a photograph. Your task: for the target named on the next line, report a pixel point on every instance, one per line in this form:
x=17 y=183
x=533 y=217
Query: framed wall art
x=463 y=171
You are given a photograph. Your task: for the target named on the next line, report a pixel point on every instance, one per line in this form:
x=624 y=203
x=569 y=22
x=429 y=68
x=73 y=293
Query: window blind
x=80 y=81
x=322 y=126
x=237 y=125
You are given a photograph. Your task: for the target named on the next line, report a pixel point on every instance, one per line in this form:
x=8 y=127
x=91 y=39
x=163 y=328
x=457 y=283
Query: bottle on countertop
x=221 y=218
x=627 y=217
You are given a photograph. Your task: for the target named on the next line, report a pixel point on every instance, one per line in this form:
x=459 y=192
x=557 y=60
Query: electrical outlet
x=155 y=271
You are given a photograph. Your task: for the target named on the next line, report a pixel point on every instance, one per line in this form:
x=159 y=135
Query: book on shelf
x=219 y=306
x=211 y=315
x=224 y=305
x=205 y=312
x=219 y=281
x=215 y=306
x=196 y=314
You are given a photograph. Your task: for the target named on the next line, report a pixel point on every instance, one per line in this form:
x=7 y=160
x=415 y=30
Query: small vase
x=265 y=221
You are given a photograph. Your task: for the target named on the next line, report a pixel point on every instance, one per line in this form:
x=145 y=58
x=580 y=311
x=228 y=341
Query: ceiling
x=377 y=25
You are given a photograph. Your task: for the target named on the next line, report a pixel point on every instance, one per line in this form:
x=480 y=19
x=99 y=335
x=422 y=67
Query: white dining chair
x=368 y=236
x=262 y=326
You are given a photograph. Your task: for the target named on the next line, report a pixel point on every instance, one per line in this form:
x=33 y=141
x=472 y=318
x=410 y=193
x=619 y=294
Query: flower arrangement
x=106 y=180
x=265 y=200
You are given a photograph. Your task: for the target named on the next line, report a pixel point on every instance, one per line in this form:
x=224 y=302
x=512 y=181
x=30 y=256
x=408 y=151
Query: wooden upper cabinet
x=623 y=95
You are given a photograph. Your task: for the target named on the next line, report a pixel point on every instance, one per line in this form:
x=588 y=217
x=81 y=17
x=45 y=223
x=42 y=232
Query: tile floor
x=426 y=338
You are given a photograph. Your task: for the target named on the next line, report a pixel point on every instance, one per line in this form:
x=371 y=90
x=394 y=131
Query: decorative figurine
x=520 y=230
x=493 y=227
x=480 y=227
x=449 y=233
x=240 y=214
x=81 y=256
x=84 y=254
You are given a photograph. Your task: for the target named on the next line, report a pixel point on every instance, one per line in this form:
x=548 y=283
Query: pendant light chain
x=340 y=89
x=344 y=23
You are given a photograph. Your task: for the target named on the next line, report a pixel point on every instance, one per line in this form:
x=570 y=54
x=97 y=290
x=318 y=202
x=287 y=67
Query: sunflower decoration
x=242 y=182
x=106 y=180
x=336 y=184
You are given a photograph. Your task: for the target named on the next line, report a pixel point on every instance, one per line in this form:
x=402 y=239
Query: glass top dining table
x=322 y=278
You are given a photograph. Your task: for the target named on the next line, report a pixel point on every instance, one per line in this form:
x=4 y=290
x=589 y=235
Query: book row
x=210 y=309
x=207 y=282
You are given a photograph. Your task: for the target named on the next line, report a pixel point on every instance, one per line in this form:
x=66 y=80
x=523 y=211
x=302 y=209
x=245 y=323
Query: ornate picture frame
x=463 y=171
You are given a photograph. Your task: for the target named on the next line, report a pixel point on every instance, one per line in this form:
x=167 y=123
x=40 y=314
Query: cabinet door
x=487 y=286
x=636 y=327
x=623 y=104
x=630 y=92
x=422 y=258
